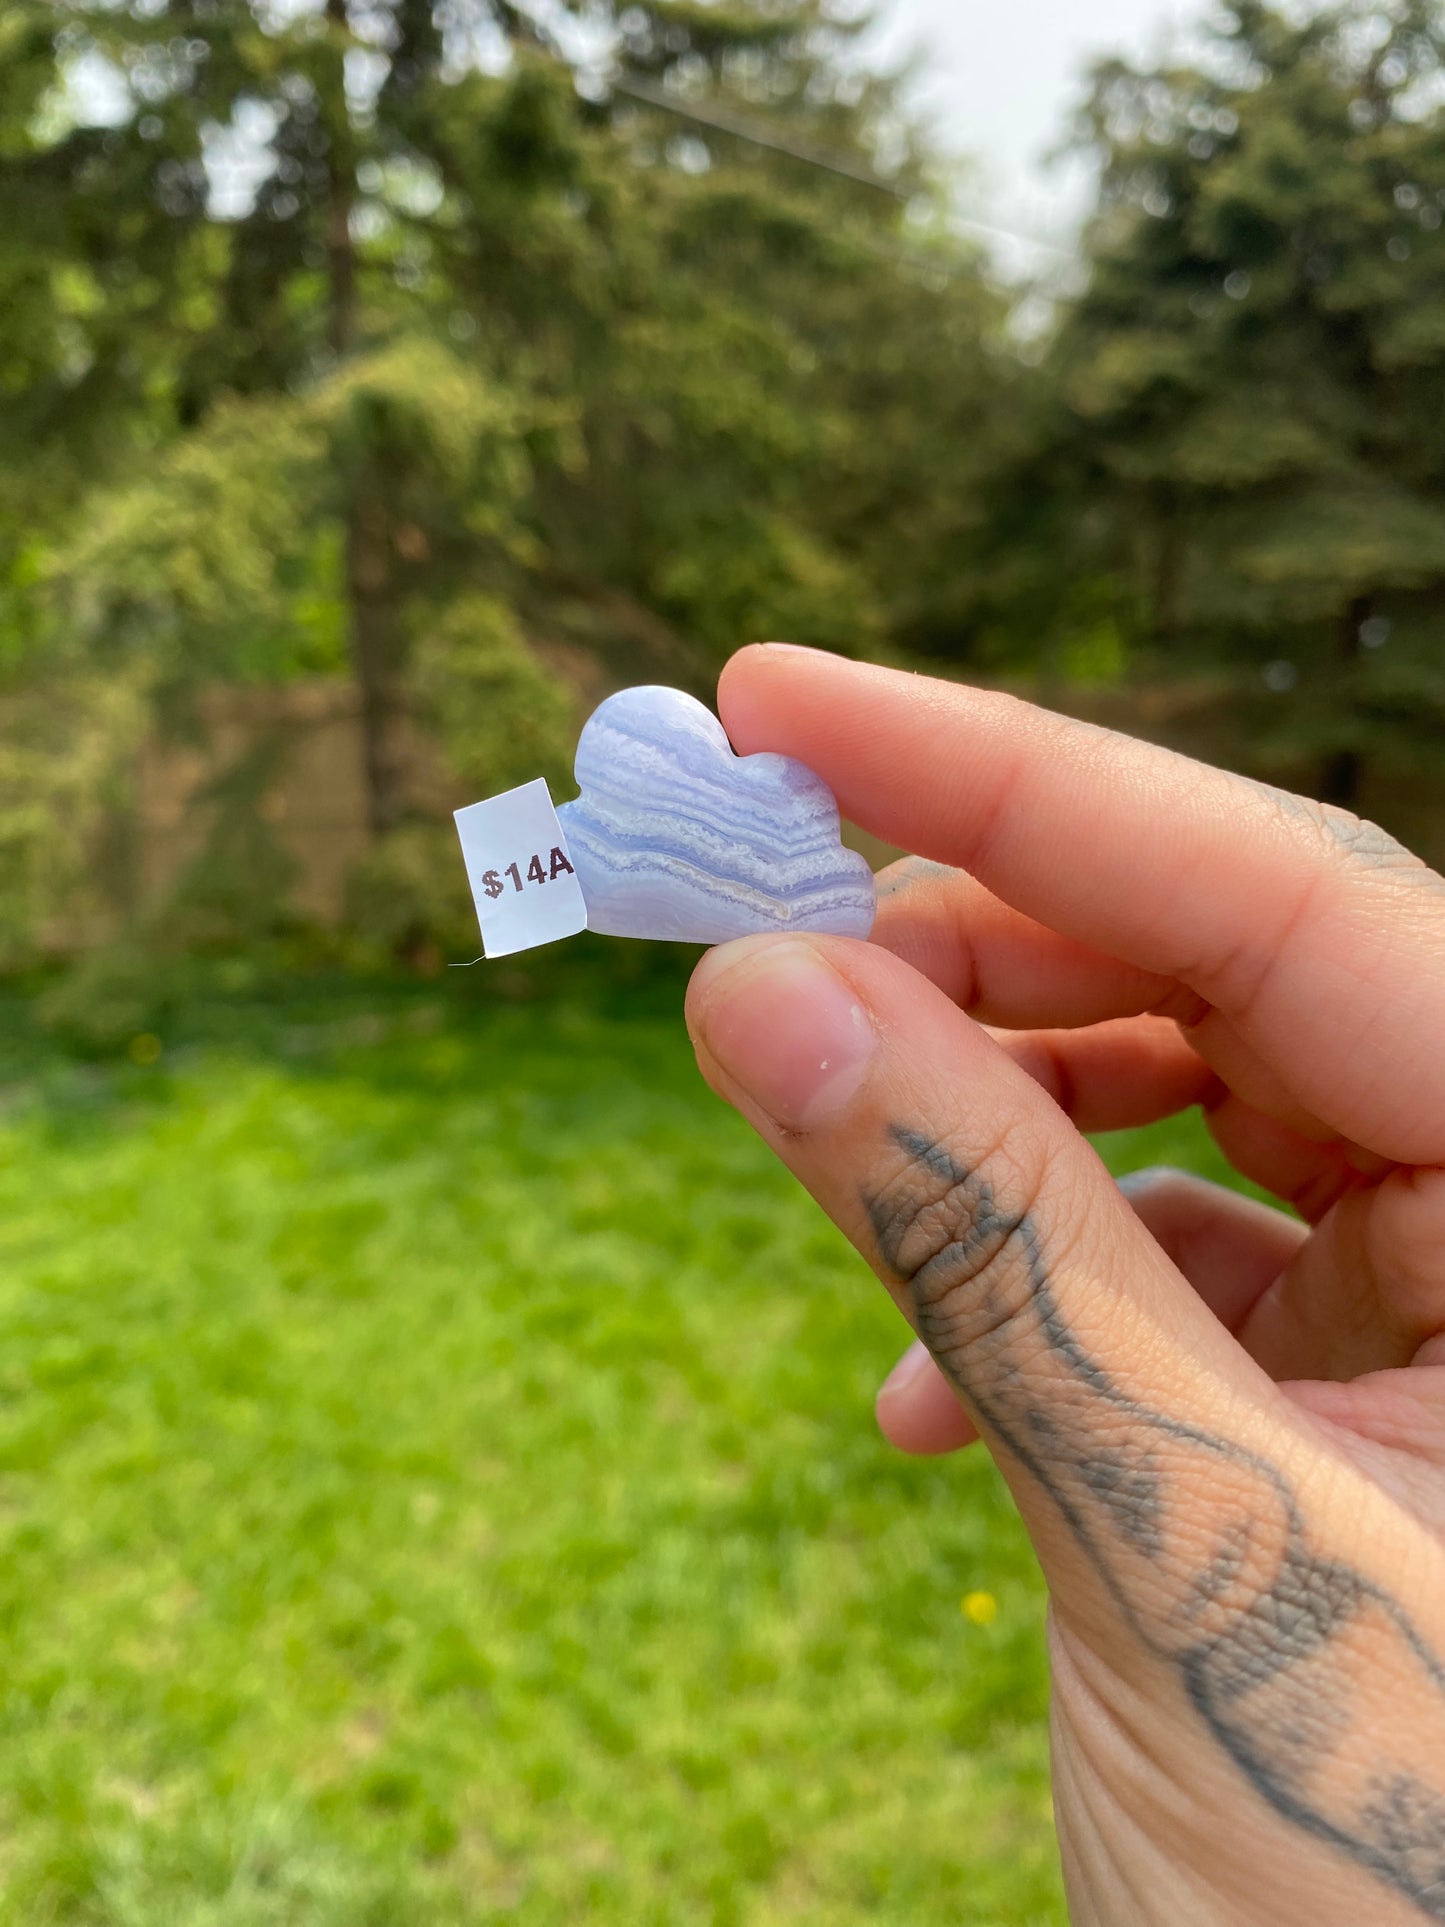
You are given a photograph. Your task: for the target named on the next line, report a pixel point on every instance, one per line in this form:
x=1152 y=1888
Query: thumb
x=1155 y=1465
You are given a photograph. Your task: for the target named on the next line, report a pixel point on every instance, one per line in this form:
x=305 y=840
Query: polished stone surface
x=675 y=837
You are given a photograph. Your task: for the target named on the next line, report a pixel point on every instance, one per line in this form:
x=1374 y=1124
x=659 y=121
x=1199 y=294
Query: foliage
x=234 y=893
x=1249 y=393
x=407 y=900
x=205 y=566
x=332 y=349
x=194 y=565
x=503 y=719
x=502 y=716
x=320 y=327
x=64 y=745
x=117 y=992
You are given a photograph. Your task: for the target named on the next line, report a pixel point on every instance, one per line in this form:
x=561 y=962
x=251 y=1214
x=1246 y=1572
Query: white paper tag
x=525 y=887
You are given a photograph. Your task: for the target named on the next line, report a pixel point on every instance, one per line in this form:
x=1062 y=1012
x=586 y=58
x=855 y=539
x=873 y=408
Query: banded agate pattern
x=676 y=838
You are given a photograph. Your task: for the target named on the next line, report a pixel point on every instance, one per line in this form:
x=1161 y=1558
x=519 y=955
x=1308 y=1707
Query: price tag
x=525 y=887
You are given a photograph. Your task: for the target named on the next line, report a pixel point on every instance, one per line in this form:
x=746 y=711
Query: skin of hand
x=1224 y=1426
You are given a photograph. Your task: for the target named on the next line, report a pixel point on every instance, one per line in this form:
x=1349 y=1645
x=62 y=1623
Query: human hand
x=1224 y=1427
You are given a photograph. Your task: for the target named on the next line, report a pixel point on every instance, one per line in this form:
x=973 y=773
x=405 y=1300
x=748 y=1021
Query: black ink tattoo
x=1280 y=1648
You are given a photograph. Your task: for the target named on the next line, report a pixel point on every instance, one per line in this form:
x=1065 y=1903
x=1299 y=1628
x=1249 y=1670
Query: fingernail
x=786 y=1029
x=1135 y=1183
x=801 y=649
x=905 y=1374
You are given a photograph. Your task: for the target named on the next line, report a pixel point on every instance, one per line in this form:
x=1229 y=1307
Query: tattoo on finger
x=1310 y=1676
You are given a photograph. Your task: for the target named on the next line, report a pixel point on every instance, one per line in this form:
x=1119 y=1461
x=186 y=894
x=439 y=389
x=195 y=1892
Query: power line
x=991 y=231
x=637 y=87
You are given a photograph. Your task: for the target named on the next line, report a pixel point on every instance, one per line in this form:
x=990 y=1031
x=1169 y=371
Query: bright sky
x=1000 y=77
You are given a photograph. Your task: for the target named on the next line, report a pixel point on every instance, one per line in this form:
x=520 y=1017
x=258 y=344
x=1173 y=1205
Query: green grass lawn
x=438 y=1484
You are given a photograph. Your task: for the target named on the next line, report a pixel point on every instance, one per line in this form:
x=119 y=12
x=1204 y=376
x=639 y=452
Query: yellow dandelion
x=980 y=1608
x=144 y=1049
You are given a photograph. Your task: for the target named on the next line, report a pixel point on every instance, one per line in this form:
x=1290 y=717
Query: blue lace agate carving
x=675 y=837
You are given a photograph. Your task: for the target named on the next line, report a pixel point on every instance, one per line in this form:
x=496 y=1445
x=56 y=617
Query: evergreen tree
x=557 y=247
x=387 y=337
x=1249 y=394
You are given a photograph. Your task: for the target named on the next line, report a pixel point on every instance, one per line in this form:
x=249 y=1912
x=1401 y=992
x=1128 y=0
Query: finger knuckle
x=1362 y=844
x=910 y=873
x=962 y=1240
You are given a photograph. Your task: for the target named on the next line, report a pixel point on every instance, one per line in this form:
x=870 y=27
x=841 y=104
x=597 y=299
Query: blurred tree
x=640 y=227
x=333 y=327
x=1247 y=429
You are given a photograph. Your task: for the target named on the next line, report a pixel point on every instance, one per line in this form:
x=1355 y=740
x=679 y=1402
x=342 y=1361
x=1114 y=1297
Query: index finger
x=1318 y=937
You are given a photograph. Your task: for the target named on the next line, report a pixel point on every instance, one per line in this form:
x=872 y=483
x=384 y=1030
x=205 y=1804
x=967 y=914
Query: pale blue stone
x=675 y=837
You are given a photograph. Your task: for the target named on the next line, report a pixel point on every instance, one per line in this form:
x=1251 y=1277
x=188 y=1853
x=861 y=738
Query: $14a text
x=537 y=871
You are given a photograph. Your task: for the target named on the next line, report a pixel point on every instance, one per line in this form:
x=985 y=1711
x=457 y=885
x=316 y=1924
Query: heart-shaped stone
x=675 y=837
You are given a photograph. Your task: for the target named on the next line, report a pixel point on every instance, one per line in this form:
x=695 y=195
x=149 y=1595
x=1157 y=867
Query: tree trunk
x=340 y=198
x=376 y=643
x=376 y=655
x=1342 y=772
